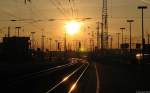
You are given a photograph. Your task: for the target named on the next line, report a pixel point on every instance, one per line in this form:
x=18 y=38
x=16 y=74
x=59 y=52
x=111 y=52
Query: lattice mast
x=104 y=32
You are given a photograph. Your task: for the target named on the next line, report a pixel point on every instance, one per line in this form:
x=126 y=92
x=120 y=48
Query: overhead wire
x=31 y=17
x=11 y=15
x=62 y=6
x=75 y=8
x=71 y=7
x=32 y=21
x=57 y=7
x=65 y=7
x=68 y=8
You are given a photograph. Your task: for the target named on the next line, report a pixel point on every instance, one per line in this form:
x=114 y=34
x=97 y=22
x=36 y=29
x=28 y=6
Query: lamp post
x=18 y=30
x=118 y=34
x=65 y=48
x=148 y=38
x=111 y=39
x=32 y=34
x=122 y=29
x=56 y=44
x=42 y=43
x=130 y=23
x=143 y=39
x=50 y=44
x=8 y=31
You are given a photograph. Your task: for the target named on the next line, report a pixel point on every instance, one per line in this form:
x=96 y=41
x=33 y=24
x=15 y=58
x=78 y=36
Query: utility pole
x=130 y=22
x=125 y=39
x=76 y=41
x=98 y=36
x=32 y=34
x=110 y=36
x=104 y=32
x=42 y=43
x=92 y=41
x=118 y=35
x=79 y=45
x=9 y=31
x=59 y=46
x=102 y=36
x=93 y=34
x=91 y=44
x=111 y=39
x=122 y=29
x=143 y=39
x=50 y=44
x=65 y=48
x=65 y=42
x=148 y=38
x=18 y=30
x=56 y=41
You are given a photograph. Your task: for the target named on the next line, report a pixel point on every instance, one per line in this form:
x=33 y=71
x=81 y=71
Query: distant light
x=139 y=56
x=146 y=54
x=82 y=49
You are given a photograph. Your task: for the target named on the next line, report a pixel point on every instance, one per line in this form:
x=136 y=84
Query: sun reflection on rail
x=72 y=87
x=65 y=79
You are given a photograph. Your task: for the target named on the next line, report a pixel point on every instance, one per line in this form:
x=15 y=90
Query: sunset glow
x=72 y=27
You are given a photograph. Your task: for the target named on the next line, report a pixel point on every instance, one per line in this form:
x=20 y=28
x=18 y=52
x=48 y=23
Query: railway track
x=38 y=73
x=71 y=79
x=49 y=80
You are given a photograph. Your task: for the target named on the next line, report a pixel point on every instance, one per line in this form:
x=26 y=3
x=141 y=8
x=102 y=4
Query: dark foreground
x=124 y=78
x=61 y=77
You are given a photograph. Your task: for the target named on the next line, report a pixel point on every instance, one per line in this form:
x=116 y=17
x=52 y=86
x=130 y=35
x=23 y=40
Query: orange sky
x=118 y=12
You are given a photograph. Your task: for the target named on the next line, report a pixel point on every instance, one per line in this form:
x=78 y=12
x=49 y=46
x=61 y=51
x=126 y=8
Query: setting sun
x=72 y=27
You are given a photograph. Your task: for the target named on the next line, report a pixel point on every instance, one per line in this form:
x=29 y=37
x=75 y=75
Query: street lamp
x=42 y=42
x=118 y=34
x=56 y=41
x=18 y=30
x=32 y=34
x=50 y=44
x=122 y=29
x=148 y=38
x=143 y=39
x=130 y=22
x=65 y=46
x=111 y=39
